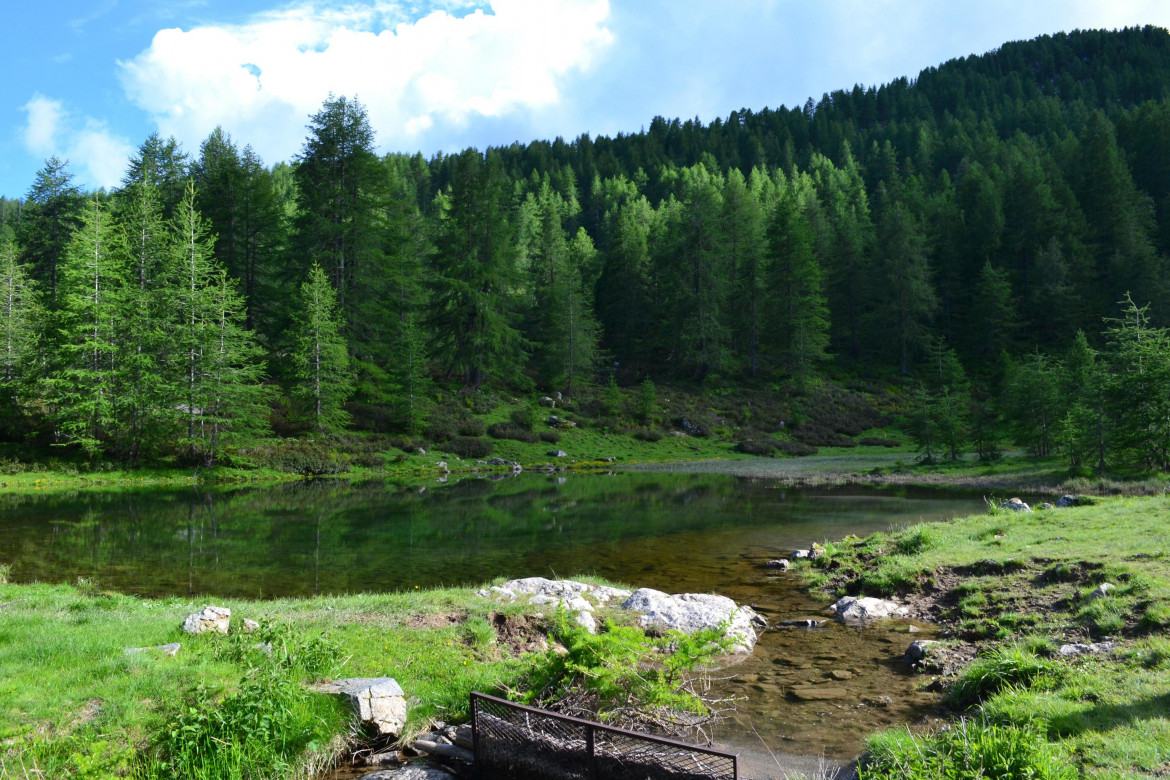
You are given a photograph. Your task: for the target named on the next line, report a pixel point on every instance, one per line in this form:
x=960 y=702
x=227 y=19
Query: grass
x=74 y=704
x=1018 y=586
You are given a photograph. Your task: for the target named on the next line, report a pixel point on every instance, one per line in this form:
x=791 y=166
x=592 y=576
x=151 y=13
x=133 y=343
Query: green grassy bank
x=1010 y=589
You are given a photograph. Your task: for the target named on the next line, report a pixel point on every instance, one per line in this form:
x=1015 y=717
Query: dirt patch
x=519 y=633
x=434 y=621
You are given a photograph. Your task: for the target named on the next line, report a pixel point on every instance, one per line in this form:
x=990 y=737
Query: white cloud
x=261 y=80
x=98 y=156
x=44 y=120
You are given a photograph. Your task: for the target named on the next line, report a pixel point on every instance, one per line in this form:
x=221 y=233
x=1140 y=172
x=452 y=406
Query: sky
x=90 y=80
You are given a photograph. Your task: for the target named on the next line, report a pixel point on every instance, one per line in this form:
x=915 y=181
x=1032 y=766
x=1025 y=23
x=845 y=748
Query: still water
x=673 y=532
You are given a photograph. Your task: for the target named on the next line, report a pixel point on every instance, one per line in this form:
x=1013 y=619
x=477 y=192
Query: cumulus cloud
x=96 y=154
x=261 y=80
x=44 y=120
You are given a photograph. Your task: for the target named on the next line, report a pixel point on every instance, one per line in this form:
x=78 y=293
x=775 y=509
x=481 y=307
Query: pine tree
x=745 y=243
x=905 y=283
x=1138 y=389
x=21 y=320
x=323 y=380
x=84 y=387
x=474 y=276
x=799 y=323
x=51 y=215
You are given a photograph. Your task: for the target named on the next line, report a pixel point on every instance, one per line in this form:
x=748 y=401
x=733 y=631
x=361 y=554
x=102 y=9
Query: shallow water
x=674 y=532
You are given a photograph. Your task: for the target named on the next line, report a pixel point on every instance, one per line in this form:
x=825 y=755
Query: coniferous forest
x=990 y=238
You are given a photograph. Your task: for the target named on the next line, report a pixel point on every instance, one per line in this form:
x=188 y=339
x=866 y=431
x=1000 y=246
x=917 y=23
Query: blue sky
x=89 y=81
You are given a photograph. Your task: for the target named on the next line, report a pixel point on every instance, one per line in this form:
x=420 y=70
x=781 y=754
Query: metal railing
x=514 y=741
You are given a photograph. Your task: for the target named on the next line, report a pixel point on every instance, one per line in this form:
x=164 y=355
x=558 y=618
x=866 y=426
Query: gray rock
x=1100 y=592
x=917 y=650
x=1015 y=505
x=799 y=554
x=249 y=626
x=1093 y=649
x=1046 y=506
x=568 y=593
x=412 y=772
x=378 y=701
x=587 y=621
x=557 y=454
x=692 y=612
x=547 y=401
x=442 y=464
x=862 y=610
x=215 y=619
x=778 y=563
x=808 y=622
x=1066 y=501
x=171 y=649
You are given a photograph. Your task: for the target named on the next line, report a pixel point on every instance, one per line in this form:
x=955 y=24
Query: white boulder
x=862 y=610
x=213 y=619
x=378 y=701
x=692 y=612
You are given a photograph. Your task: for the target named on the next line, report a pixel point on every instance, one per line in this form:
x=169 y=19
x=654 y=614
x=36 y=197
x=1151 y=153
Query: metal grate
x=514 y=741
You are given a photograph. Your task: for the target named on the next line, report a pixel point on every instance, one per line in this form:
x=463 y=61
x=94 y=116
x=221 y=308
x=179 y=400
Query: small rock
x=778 y=563
x=557 y=454
x=841 y=674
x=1067 y=501
x=799 y=554
x=817 y=551
x=421 y=451
x=859 y=610
x=250 y=626
x=547 y=401
x=1101 y=591
x=378 y=701
x=1046 y=506
x=1015 y=505
x=1092 y=649
x=913 y=630
x=587 y=622
x=442 y=465
x=804 y=622
x=608 y=460
x=263 y=647
x=918 y=649
x=216 y=619
x=171 y=649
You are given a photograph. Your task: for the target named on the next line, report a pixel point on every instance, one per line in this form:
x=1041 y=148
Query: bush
x=647 y=434
x=549 y=437
x=471 y=426
x=524 y=418
x=796 y=448
x=755 y=447
x=299 y=456
x=503 y=430
x=469 y=447
x=442 y=427
x=877 y=441
x=816 y=435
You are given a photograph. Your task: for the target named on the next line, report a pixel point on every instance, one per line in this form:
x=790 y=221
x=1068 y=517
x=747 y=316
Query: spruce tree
x=21 y=321
x=51 y=215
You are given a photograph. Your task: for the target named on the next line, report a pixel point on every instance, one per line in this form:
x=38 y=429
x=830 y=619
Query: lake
x=673 y=532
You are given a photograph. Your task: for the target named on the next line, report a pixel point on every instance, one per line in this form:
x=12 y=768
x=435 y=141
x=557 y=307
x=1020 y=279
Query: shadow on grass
x=1104 y=717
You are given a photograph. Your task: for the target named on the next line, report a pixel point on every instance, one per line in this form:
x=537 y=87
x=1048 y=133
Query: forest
x=990 y=238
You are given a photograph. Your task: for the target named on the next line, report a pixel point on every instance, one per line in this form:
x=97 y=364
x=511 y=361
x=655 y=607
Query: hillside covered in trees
x=991 y=237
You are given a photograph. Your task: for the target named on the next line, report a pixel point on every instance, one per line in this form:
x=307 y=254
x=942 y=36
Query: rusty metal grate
x=514 y=741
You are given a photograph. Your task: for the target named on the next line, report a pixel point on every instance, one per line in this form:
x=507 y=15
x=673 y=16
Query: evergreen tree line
x=988 y=216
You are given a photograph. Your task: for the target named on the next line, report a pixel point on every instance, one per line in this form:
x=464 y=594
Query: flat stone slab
x=379 y=702
x=817 y=692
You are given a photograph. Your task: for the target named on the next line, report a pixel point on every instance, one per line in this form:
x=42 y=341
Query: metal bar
x=735 y=767
x=475 y=725
x=590 y=747
x=602 y=726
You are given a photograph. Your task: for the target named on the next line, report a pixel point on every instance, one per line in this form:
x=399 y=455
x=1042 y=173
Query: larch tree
x=321 y=373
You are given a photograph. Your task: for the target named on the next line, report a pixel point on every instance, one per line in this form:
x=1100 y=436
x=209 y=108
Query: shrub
x=503 y=430
x=471 y=426
x=877 y=441
x=647 y=434
x=755 y=447
x=469 y=447
x=524 y=418
x=299 y=456
x=5 y=573
x=795 y=448
x=442 y=427
x=549 y=437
